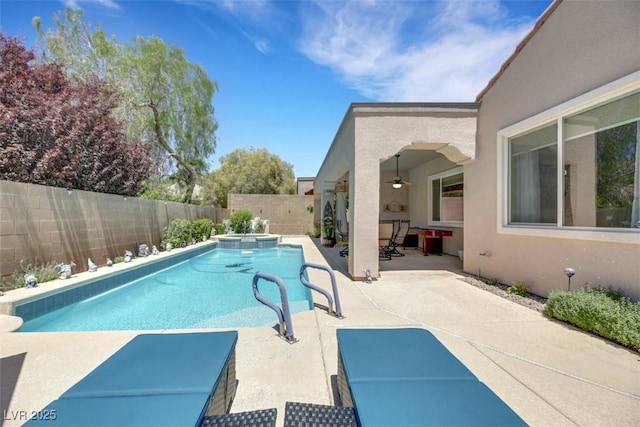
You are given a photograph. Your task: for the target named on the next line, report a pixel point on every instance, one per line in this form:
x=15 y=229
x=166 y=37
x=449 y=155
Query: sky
x=287 y=71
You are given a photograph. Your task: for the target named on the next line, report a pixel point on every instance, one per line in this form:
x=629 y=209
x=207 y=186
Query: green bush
x=518 y=288
x=179 y=230
x=241 y=221
x=260 y=226
x=606 y=313
x=43 y=273
x=491 y=282
x=201 y=229
x=220 y=228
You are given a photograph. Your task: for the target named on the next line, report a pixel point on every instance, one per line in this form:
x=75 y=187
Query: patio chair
x=407 y=377
x=155 y=379
x=398 y=238
x=385 y=234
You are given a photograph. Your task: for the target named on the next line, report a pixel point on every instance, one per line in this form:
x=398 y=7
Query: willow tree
x=166 y=99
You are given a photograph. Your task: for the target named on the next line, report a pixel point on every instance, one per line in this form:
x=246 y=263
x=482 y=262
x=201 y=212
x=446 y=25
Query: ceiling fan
x=397 y=181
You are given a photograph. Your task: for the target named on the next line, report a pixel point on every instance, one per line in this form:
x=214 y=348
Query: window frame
x=441 y=175
x=602 y=95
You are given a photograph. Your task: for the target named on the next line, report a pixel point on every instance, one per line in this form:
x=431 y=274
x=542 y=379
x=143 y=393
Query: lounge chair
x=398 y=238
x=407 y=377
x=155 y=379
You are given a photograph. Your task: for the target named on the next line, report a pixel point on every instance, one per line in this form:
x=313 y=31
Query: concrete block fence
x=288 y=214
x=40 y=224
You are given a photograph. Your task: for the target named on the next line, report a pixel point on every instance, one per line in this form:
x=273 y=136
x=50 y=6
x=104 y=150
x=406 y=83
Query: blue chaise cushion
x=436 y=403
x=406 y=353
x=161 y=364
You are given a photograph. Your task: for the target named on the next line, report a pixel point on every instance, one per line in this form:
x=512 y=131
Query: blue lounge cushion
x=439 y=403
x=411 y=353
x=117 y=411
x=161 y=364
x=154 y=380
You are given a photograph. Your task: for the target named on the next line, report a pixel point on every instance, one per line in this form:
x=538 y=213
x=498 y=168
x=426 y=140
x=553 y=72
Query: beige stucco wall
x=581 y=47
x=288 y=214
x=40 y=224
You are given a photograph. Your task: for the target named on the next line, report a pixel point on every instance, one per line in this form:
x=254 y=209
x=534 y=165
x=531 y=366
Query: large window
x=601 y=165
x=533 y=176
x=599 y=181
x=446 y=198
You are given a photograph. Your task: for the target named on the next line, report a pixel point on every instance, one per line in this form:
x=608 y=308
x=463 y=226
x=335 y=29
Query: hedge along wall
x=40 y=224
x=287 y=213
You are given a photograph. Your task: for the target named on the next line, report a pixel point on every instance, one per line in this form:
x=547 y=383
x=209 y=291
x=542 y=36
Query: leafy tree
x=165 y=99
x=157 y=189
x=252 y=171
x=54 y=131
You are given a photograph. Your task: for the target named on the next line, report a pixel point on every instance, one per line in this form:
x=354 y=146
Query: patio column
x=364 y=205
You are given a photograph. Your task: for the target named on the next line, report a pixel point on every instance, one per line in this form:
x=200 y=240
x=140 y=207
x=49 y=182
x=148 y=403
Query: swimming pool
x=210 y=290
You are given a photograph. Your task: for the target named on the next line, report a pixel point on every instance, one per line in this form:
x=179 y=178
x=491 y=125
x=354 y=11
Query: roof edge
x=541 y=20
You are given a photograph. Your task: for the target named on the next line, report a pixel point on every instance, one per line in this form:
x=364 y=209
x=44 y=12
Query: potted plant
x=327 y=238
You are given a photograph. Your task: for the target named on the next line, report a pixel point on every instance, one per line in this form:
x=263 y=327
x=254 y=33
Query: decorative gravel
x=533 y=302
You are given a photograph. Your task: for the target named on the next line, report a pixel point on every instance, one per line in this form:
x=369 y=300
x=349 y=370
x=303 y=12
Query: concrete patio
x=548 y=372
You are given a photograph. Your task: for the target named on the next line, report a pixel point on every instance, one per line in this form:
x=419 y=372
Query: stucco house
x=545 y=163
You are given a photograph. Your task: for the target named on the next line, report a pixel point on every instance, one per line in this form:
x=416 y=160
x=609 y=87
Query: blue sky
x=287 y=71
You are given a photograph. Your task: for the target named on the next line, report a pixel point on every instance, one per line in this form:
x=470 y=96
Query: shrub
x=43 y=273
x=518 y=288
x=260 y=226
x=491 y=282
x=179 y=230
x=606 y=313
x=118 y=259
x=220 y=228
x=201 y=229
x=241 y=221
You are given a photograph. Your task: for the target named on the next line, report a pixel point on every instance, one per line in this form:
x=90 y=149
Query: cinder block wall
x=40 y=224
x=287 y=213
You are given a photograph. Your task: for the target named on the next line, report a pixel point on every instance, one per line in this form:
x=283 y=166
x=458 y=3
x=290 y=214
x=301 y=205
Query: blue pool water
x=211 y=290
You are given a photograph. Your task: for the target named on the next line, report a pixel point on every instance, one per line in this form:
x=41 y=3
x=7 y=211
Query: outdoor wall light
x=69 y=190
x=569 y=272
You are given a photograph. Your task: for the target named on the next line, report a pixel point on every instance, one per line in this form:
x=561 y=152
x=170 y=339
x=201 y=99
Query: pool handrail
x=338 y=308
x=285 y=324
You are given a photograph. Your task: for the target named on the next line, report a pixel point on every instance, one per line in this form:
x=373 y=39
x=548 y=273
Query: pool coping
x=19 y=297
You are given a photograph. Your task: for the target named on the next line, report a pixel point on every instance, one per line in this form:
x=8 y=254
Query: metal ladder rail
x=285 y=324
x=338 y=308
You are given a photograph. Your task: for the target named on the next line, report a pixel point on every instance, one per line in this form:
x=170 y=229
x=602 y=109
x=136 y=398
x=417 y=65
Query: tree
x=165 y=99
x=58 y=132
x=248 y=172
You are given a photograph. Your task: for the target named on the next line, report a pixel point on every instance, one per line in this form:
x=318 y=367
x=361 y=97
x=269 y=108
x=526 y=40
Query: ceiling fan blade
x=408 y=184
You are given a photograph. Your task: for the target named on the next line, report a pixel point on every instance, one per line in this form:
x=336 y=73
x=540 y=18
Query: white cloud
x=412 y=51
x=251 y=17
x=111 y=4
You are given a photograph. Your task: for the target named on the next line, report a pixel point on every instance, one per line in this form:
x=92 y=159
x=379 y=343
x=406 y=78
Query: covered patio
x=429 y=138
